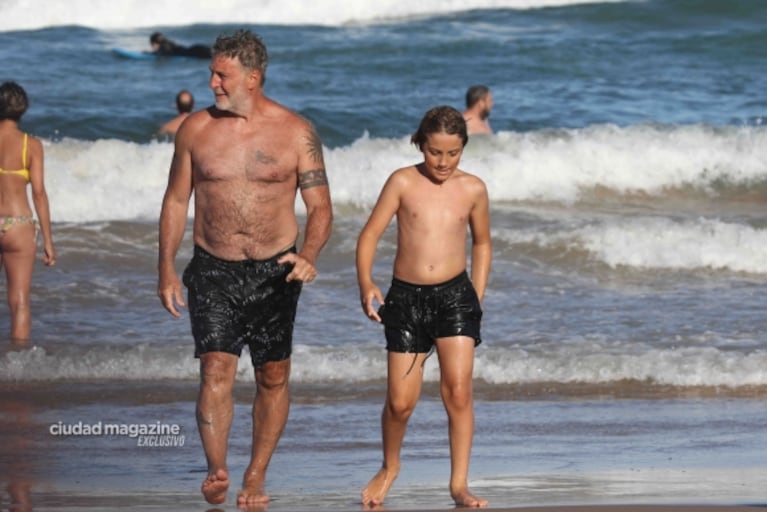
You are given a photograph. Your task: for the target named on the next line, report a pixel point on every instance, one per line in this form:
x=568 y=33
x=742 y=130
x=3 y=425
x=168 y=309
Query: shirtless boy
x=432 y=302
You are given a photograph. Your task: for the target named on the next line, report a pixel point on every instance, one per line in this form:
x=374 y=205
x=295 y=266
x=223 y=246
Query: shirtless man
x=479 y=103
x=244 y=159
x=431 y=302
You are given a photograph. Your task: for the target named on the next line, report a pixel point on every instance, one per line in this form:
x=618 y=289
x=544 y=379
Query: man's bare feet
x=252 y=492
x=378 y=487
x=215 y=486
x=465 y=498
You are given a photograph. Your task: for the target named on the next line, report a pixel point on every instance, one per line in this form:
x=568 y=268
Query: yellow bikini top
x=24 y=173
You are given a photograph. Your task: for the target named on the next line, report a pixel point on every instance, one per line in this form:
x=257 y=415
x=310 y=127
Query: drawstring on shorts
x=418 y=335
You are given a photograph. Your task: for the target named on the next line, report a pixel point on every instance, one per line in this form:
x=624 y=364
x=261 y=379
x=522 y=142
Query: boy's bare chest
x=431 y=210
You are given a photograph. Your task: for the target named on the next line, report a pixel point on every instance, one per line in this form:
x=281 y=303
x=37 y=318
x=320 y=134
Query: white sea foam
x=32 y=14
x=674 y=367
x=583 y=363
x=663 y=243
x=556 y=165
x=117 y=180
x=657 y=243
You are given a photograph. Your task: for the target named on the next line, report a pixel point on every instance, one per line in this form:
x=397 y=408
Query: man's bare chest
x=245 y=160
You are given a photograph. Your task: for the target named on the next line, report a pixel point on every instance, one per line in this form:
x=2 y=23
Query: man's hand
x=171 y=293
x=302 y=270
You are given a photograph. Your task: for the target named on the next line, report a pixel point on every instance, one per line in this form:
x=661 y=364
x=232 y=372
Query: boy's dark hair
x=13 y=101
x=443 y=119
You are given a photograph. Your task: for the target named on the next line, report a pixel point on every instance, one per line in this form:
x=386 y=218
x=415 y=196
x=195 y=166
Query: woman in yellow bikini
x=21 y=164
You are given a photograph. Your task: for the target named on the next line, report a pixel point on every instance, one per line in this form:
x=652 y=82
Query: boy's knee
x=457 y=396
x=401 y=409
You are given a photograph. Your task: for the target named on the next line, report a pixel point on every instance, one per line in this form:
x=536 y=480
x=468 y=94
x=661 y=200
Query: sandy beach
x=43 y=464
x=620 y=508
x=625 y=508
x=16 y=500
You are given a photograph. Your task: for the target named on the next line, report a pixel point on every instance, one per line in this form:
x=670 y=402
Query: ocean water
x=625 y=347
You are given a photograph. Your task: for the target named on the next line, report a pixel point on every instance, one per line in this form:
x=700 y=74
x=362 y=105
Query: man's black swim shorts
x=238 y=303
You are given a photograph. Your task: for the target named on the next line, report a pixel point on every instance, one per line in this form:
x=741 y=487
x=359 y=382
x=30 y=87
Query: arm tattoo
x=315 y=148
x=313 y=178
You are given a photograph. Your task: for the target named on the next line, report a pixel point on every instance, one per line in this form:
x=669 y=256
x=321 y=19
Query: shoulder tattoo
x=312 y=178
x=314 y=148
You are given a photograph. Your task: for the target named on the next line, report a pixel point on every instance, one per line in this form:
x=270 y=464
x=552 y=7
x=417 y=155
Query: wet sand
x=184 y=504
x=628 y=508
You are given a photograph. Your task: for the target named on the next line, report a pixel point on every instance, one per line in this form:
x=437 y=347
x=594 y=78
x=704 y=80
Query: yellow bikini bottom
x=6 y=223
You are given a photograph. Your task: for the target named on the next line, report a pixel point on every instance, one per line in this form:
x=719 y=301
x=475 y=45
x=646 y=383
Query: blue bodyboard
x=132 y=54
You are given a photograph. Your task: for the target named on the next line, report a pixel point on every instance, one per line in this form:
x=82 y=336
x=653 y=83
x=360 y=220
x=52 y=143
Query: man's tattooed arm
x=312 y=178
x=314 y=148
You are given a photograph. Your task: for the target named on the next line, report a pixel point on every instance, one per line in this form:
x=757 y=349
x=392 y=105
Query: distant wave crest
x=34 y=14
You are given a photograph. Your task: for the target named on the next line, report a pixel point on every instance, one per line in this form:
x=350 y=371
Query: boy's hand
x=368 y=295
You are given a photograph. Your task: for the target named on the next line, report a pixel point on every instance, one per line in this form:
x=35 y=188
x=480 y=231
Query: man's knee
x=217 y=370
x=273 y=375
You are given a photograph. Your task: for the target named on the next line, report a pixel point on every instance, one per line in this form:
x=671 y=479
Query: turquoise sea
x=625 y=337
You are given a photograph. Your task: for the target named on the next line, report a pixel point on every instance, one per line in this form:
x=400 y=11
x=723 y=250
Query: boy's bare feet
x=378 y=487
x=465 y=498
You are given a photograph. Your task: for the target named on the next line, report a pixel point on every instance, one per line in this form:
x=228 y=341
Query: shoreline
x=172 y=502
x=30 y=494
x=83 y=391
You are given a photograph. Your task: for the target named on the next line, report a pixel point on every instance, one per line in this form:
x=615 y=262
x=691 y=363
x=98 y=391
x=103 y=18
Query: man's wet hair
x=245 y=46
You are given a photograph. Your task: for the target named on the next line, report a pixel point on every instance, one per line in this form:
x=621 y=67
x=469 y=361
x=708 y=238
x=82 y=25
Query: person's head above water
x=443 y=119
x=13 y=101
x=184 y=102
x=157 y=38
